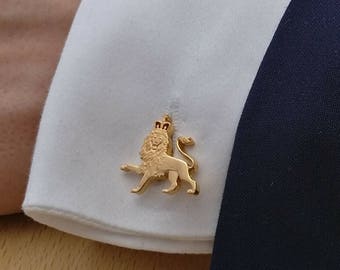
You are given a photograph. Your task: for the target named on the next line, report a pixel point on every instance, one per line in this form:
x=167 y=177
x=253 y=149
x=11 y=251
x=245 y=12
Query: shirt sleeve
x=124 y=65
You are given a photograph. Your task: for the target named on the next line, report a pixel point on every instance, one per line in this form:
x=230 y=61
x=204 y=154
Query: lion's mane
x=154 y=157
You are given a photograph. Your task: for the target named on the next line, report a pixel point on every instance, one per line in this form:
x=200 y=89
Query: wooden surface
x=25 y=244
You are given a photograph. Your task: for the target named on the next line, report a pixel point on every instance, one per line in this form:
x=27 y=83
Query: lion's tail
x=181 y=143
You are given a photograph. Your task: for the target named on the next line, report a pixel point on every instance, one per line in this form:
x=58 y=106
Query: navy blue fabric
x=281 y=205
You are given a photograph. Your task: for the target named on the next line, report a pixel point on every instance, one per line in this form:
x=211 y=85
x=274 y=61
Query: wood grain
x=25 y=244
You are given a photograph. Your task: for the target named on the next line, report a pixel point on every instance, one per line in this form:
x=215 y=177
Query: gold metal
x=158 y=162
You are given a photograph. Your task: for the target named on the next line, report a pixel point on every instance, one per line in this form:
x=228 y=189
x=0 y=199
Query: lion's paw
x=124 y=167
x=192 y=191
x=136 y=190
x=168 y=190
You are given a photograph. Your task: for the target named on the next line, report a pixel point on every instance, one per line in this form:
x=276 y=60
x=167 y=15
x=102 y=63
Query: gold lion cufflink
x=158 y=162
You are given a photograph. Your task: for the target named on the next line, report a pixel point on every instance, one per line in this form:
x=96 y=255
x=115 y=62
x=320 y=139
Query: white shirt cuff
x=124 y=65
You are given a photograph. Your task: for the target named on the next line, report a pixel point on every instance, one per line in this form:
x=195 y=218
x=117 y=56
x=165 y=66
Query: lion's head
x=158 y=141
x=155 y=143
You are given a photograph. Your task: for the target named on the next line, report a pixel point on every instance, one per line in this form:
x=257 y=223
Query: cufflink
x=158 y=162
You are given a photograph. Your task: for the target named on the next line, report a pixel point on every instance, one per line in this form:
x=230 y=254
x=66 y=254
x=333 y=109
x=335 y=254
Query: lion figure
x=158 y=161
